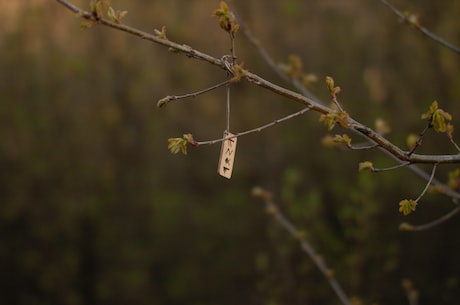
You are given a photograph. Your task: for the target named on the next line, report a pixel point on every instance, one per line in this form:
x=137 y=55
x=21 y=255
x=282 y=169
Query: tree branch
x=259 y=81
x=413 y=21
x=273 y=210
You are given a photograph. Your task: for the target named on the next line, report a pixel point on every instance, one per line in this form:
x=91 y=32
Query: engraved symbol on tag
x=227 y=156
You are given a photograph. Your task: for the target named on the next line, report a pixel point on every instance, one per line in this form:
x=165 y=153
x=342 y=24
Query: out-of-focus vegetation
x=94 y=210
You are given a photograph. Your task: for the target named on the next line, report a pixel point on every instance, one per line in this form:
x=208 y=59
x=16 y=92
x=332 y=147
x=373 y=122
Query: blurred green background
x=95 y=210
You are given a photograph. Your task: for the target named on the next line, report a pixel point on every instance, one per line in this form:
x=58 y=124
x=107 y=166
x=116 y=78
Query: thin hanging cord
x=232 y=50
x=228 y=104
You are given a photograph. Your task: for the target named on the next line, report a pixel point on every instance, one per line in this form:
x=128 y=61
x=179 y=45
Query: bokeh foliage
x=94 y=210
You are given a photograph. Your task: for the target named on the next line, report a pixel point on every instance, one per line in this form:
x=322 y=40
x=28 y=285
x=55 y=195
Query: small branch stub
x=227 y=155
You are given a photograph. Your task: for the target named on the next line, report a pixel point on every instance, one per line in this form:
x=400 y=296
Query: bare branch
x=414 y=22
x=258 y=129
x=259 y=81
x=377 y=170
x=273 y=210
x=271 y=62
x=419 y=140
x=162 y=102
x=408 y=227
x=433 y=171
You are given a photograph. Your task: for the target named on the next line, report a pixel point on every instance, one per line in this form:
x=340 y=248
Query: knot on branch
x=228 y=61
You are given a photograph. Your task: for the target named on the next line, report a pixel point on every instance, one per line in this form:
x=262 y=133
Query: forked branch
x=259 y=81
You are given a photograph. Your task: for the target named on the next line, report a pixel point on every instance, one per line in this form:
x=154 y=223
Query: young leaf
x=111 y=14
x=454 y=179
x=189 y=138
x=366 y=165
x=329 y=120
x=86 y=25
x=227 y=20
x=412 y=19
x=342 y=139
x=176 y=145
x=164 y=101
x=116 y=16
x=98 y=7
x=342 y=119
x=238 y=73
x=329 y=141
x=333 y=90
x=437 y=118
x=407 y=206
x=161 y=34
x=333 y=118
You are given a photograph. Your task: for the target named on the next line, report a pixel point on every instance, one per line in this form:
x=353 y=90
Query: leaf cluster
x=333 y=90
x=407 y=206
x=176 y=145
x=333 y=118
x=227 y=20
x=438 y=119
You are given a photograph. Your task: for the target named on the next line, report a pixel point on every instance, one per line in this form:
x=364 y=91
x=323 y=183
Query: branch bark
x=253 y=78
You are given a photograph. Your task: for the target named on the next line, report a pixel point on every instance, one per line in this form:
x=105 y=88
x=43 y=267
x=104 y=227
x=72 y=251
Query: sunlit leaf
x=342 y=139
x=329 y=120
x=227 y=20
x=189 y=138
x=366 y=165
x=238 y=73
x=164 y=101
x=332 y=118
x=329 y=141
x=407 y=206
x=454 y=179
x=115 y=16
x=438 y=118
x=176 y=145
x=330 y=84
x=111 y=13
x=86 y=25
x=161 y=34
x=412 y=19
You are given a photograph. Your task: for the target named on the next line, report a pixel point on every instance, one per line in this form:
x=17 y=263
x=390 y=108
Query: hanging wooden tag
x=227 y=156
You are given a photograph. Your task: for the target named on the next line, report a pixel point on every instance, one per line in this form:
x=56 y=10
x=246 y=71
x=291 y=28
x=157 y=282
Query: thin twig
x=306 y=99
x=455 y=144
x=227 y=112
x=433 y=171
x=229 y=75
x=258 y=129
x=259 y=81
x=305 y=245
x=419 y=140
x=336 y=103
x=171 y=98
x=378 y=170
x=271 y=62
x=422 y=29
x=431 y=224
x=363 y=147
